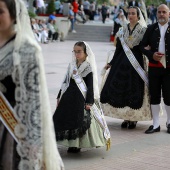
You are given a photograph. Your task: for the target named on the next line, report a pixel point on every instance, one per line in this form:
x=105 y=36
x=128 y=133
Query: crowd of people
x=46 y=31
x=85 y=10
x=139 y=75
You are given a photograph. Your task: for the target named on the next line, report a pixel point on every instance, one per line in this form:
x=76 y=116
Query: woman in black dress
x=125 y=93
x=76 y=124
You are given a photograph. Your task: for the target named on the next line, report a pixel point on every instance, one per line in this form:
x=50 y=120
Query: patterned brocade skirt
x=127 y=113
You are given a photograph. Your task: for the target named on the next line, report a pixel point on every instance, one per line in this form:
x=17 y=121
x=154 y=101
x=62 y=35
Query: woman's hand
x=107 y=66
x=87 y=107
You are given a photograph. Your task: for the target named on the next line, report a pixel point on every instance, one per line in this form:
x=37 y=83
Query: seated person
x=44 y=32
x=36 y=32
x=60 y=33
x=52 y=34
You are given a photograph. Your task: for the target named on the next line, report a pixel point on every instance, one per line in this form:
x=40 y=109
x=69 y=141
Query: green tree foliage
x=101 y=1
x=155 y=2
x=31 y=14
x=51 y=7
x=147 y=2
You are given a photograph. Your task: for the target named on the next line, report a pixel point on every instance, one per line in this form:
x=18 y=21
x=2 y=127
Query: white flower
x=17 y=94
x=25 y=164
x=20 y=131
x=23 y=150
x=2 y=88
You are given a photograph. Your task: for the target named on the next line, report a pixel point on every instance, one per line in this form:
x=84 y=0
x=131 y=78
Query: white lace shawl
x=136 y=36
x=37 y=145
x=141 y=21
x=83 y=70
x=91 y=59
x=88 y=66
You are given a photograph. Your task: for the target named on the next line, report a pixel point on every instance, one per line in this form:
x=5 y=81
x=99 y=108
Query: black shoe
x=69 y=149
x=73 y=150
x=132 y=125
x=151 y=130
x=168 y=128
x=124 y=124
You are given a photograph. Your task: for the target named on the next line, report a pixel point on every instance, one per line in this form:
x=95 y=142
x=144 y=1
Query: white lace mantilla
x=6 y=61
x=135 y=38
x=36 y=146
x=84 y=69
x=27 y=108
x=33 y=138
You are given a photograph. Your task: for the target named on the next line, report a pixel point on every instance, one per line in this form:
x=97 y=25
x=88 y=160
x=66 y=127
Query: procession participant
x=24 y=103
x=157 y=36
x=79 y=121
x=125 y=92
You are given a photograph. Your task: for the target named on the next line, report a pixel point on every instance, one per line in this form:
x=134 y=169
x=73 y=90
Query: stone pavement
x=131 y=149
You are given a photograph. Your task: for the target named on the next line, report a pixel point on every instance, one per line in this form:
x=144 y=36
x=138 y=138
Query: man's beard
x=162 y=20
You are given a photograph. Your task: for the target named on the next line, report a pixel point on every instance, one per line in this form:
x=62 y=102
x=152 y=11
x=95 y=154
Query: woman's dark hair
x=81 y=44
x=137 y=10
x=11 y=8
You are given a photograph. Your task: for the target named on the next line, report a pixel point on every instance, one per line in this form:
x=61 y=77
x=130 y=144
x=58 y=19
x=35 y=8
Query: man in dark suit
x=157 y=38
x=133 y=3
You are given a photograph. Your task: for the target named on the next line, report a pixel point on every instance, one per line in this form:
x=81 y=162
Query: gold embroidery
x=130 y=38
x=7 y=115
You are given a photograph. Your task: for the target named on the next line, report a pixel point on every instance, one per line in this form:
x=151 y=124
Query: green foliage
x=147 y=2
x=102 y=1
x=155 y=2
x=51 y=7
x=31 y=14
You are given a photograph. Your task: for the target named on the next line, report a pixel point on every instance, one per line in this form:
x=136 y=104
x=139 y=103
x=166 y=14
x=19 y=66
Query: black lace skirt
x=123 y=86
x=71 y=120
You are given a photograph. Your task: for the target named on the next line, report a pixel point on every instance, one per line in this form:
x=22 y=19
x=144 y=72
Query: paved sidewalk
x=131 y=149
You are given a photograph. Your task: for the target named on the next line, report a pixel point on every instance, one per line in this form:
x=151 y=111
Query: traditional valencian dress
x=7 y=86
x=27 y=138
x=125 y=93
x=22 y=91
x=75 y=126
